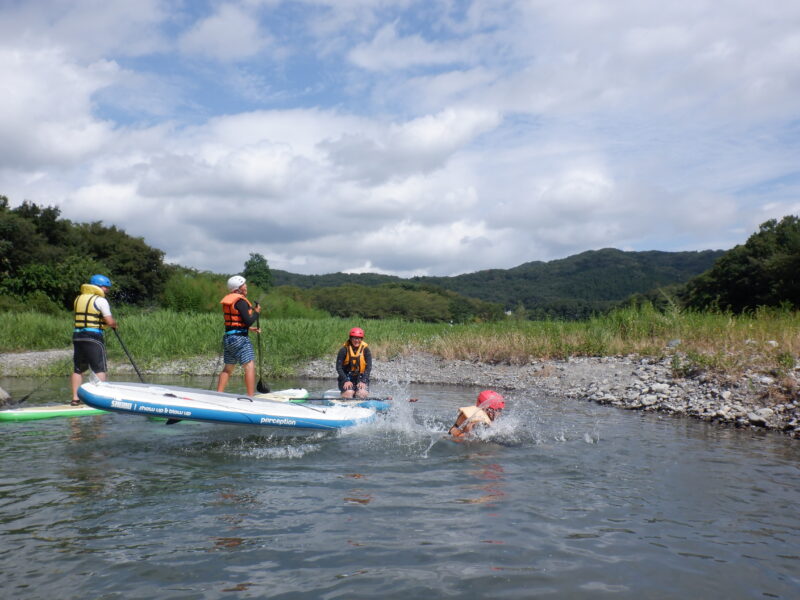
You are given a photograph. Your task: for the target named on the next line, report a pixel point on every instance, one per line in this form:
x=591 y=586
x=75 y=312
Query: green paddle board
x=31 y=413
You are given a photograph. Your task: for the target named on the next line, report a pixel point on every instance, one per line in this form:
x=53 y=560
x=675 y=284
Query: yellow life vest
x=354 y=361
x=86 y=313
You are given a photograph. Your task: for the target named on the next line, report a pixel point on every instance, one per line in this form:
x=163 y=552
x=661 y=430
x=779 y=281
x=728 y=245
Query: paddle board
x=288 y=395
x=32 y=413
x=179 y=403
x=334 y=395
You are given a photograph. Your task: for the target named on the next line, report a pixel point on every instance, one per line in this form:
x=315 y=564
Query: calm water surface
x=565 y=500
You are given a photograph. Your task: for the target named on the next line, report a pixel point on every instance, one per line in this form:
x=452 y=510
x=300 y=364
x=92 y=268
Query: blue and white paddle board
x=179 y=403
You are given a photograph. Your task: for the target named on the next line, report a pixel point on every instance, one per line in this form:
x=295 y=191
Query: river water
x=564 y=499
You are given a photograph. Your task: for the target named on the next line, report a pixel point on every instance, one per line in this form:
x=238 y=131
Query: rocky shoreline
x=629 y=382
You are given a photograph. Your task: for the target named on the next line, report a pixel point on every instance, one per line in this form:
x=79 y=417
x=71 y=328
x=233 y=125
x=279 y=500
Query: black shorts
x=89 y=352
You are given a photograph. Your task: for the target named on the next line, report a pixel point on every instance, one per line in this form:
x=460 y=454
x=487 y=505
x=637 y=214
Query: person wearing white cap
x=240 y=316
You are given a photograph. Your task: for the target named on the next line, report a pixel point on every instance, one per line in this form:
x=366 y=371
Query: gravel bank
x=628 y=382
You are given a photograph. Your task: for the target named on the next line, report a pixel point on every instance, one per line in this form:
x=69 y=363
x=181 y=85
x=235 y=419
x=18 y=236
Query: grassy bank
x=768 y=340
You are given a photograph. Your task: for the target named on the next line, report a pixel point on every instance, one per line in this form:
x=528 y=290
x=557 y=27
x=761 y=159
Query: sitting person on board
x=487 y=408
x=239 y=315
x=353 y=365
x=92 y=314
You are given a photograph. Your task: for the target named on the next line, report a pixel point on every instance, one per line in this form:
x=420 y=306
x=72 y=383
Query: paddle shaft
x=29 y=394
x=260 y=386
x=128 y=354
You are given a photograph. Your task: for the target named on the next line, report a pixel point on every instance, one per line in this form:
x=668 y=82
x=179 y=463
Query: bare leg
x=76 y=379
x=250 y=377
x=224 y=376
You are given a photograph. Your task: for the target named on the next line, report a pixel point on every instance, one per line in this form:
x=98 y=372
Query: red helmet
x=357 y=332
x=490 y=399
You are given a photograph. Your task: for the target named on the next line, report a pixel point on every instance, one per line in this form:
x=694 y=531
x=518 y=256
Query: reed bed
x=767 y=340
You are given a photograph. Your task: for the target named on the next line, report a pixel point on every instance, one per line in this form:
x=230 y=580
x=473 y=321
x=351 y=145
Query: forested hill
x=598 y=275
x=331 y=279
x=570 y=287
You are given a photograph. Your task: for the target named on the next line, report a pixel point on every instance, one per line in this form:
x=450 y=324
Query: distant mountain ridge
x=569 y=287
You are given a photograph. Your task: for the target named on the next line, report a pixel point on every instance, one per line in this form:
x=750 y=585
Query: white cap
x=235 y=282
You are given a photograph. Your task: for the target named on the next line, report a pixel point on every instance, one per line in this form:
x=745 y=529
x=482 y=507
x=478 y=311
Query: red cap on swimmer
x=490 y=399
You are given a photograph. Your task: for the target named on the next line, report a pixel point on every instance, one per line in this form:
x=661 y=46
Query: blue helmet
x=100 y=281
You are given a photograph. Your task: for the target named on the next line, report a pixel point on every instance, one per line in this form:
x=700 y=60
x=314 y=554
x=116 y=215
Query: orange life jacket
x=354 y=361
x=233 y=320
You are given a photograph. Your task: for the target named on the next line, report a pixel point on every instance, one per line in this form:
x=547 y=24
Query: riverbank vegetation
x=766 y=340
x=742 y=313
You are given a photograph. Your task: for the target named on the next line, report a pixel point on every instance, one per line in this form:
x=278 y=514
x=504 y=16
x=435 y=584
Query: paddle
x=128 y=354
x=28 y=395
x=25 y=397
x=262 y=387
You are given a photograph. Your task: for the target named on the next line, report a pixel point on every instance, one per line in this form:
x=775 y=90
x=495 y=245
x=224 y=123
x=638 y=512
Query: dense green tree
x=42 y=252
x=256 y=271
x=761 y=272
x=136 y=269
x=519 y=313
x=20 y=242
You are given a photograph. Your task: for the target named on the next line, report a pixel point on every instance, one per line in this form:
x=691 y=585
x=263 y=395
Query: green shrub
x=40 y=302
x=193 y=292
x=10 y=303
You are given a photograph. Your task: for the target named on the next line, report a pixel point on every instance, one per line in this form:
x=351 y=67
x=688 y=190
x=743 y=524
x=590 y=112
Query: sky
x=430 y=137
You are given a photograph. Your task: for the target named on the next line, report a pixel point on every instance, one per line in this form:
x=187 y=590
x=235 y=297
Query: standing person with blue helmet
x=92 y=315
x=239 y=315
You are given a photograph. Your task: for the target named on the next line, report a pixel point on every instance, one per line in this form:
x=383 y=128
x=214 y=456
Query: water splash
x=271 y=446
x=282 y=452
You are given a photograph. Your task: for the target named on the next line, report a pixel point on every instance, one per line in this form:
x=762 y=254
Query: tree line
x=44 y=259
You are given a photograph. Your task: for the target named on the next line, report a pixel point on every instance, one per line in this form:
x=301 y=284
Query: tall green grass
x=767 y=340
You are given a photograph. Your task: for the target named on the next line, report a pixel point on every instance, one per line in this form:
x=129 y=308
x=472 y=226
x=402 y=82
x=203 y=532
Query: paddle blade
x=21 y=400
x=262 y=387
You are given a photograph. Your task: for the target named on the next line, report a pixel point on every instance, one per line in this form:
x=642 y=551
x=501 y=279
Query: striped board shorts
x=237 y=349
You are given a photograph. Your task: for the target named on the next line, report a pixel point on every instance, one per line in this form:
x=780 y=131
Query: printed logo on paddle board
x=164 y=410
x=275 y=421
